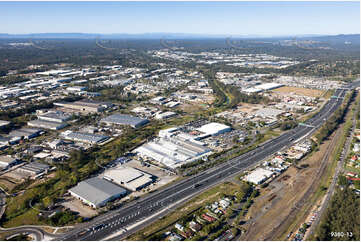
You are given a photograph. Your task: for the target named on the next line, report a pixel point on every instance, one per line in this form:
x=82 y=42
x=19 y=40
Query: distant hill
x=352 y=37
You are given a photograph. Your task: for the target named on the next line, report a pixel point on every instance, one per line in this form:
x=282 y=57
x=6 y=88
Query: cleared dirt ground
x=300 y=91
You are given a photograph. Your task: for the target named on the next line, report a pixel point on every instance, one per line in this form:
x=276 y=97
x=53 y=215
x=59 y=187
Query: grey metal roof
x=24 y=132
x=35 y=167
x=125 y=120
x=56 y=115
x=46 y=124
x=87 y=137
x=97 y=190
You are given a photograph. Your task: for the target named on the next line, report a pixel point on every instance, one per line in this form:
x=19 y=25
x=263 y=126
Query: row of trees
x=334 y=120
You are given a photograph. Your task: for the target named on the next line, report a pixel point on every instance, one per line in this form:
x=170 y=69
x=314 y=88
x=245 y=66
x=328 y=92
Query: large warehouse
x=213 y=129
x=124 y=119
x=96 y=192
x=173 y=151
x=54 y=116
x=84 y=137
x=128 y=177
x=46 y=124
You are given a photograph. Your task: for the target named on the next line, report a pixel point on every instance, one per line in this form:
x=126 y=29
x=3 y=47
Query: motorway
x=109 y=223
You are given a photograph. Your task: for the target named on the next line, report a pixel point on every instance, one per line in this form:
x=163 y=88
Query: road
x=114 y=221
x=37 y=233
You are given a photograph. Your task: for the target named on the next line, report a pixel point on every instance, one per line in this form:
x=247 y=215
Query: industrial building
x=54 y=116
x=124 y=119
x=25 y=133
x=214 y=129
x=47 y=124
x=87 y=106
x=174 y=150
x=7 y=161
x=258 y=176
x=33 y=169
x=128 y=177
x=84 y=137
x=96 y=192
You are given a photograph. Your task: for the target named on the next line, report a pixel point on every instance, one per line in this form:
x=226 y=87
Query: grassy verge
x=164 y=224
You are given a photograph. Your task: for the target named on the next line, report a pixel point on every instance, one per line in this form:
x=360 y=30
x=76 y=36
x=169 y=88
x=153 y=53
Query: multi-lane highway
x=111 y=222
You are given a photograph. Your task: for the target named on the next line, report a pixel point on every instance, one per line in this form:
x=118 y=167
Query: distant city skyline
x=210 y=18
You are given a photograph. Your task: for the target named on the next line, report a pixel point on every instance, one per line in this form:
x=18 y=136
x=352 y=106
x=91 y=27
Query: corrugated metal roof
x=97 y=190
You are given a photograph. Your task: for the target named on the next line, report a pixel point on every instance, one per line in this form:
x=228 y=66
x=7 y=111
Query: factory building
x=128 y=177
x=124 y=119
x=96 y=192
x=84 y=137
x=258 y=176
x=214 y=129
x=173 y=150
x=47 y=124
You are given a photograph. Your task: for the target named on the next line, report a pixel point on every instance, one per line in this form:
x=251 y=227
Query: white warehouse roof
x=128 y=177
x=258 y=176
x=214 y=128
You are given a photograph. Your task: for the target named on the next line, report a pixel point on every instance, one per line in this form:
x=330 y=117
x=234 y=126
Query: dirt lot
x=279 y=198
x=299 y=91
x=249 y=108
x=77 y=206
x=8 y=182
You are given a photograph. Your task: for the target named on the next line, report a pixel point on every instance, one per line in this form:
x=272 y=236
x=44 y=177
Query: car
x=197 y=185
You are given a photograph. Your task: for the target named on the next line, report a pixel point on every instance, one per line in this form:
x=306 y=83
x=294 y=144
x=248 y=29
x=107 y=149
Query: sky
x=230 y=18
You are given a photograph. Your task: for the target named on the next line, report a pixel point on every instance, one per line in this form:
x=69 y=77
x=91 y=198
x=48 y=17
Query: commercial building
x=7 y=161
x=84 y=137
x=128 y=177
x=96 y=192
x=124 y=119
x=258 y=176
x=214 y=129
x=47 y=124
